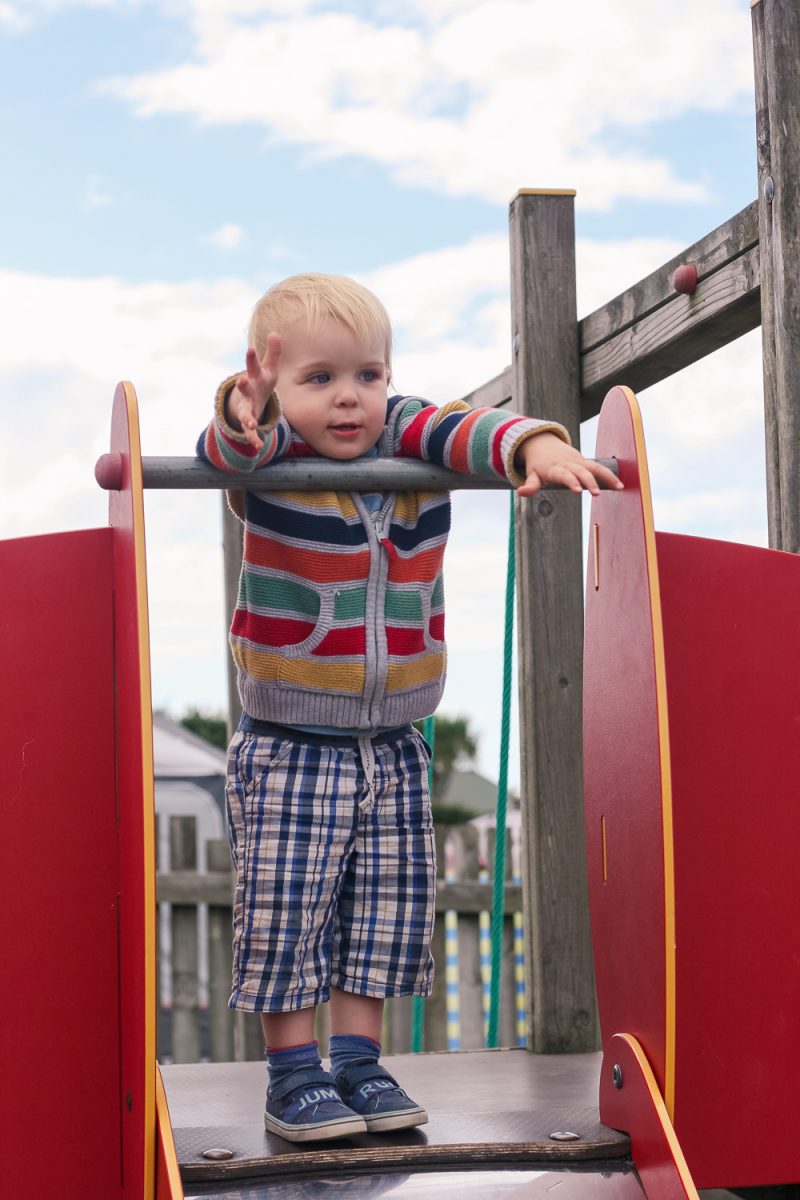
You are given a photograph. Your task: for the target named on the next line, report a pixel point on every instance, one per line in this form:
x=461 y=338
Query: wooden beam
x=712 y=252
x=651 y=331
x=776 y=49
x=560 y=993
x=493 y=394
x=676 y=334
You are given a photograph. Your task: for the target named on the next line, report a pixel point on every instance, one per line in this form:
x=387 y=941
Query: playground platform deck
x=497 y=1107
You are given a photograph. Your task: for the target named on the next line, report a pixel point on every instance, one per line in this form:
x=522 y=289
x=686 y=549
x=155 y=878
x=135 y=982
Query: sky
x=165 y=162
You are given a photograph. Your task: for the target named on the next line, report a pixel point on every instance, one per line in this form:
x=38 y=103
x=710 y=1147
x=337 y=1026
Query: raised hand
x=248 y=401
x=546 y=459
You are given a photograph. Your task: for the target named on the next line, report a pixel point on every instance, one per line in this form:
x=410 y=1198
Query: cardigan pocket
x=433 y=615
x=318 y=633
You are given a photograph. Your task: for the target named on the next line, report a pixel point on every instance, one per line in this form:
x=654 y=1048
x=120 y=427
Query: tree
x=453 y=743
x=212 y=727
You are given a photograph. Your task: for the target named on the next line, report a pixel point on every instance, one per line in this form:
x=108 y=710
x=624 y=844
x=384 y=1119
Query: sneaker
x=306 y=1106
x=375 y=1095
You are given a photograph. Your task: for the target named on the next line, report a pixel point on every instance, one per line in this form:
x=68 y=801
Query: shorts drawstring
x=367 y=752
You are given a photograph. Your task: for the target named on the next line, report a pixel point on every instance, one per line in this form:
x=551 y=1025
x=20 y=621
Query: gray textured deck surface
x=498 y=1106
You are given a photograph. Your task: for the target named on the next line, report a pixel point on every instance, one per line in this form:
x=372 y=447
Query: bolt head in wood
x=769 y=189
x=218 y=1155
x=564 y=1136
x=616 y=1076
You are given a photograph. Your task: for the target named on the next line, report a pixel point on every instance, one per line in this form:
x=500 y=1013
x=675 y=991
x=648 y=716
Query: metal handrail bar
x=317 y=475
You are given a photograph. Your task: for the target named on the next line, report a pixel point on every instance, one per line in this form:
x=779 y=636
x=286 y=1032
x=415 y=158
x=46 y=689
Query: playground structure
x=697 y=973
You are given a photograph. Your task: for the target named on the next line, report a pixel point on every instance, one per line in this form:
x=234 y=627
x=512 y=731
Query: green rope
x=498 y=889
x=418 y=1003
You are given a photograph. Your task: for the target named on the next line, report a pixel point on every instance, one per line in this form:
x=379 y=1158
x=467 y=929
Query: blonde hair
x=317 y=298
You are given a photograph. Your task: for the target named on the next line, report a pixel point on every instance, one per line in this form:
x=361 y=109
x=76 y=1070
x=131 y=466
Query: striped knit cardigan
x=340 y=615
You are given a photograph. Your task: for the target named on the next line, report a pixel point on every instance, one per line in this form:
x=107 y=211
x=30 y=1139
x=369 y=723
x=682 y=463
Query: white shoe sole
x=323 y=1132
x=404 y=1119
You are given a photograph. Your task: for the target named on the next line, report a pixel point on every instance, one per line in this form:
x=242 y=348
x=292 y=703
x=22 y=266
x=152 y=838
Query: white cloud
x=176 y=341
x=227 y=237
x=12 y=19
x=474 y=97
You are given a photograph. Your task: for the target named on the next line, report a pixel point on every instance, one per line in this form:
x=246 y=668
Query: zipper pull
x=377 y=525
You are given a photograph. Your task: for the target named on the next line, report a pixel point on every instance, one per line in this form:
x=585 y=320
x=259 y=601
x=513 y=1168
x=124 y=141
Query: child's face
x=333 y=388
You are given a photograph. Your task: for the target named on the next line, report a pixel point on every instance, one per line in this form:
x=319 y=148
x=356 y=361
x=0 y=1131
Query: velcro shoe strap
x=303 y=1077
x=357 y=1073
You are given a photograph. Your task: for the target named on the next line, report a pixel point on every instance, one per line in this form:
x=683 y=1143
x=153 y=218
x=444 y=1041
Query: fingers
x=243 y=406
x=579 y=474
x=272 y=357
x=607 y=477
x=252 y=364
x=531 y=485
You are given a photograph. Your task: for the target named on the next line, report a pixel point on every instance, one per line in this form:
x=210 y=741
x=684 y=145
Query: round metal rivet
x=218 y=1154
x=769 y=189
x=516 y=343
x=545 y=508
x=560 y=1136
x=616 y=1076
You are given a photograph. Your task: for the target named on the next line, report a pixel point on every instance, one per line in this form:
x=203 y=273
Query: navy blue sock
x=348 y=1048
x=282 y=1060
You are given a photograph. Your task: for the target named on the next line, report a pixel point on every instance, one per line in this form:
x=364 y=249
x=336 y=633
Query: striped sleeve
x=475 y=441
x=229 y=450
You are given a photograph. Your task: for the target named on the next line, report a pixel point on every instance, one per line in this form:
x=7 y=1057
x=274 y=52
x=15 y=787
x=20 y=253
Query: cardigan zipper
x=376 y=630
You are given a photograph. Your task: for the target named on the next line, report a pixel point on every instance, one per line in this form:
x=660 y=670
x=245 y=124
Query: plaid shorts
x=335 y=879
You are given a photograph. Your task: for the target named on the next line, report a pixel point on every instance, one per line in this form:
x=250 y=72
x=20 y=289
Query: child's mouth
x=345 y=430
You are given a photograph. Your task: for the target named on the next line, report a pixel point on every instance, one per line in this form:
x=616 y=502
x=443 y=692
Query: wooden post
x=545 y=378
x=776 y=50
x=185 y=1027
x=232 y=543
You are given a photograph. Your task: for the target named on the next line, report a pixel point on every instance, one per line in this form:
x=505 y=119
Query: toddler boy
x=338 y=637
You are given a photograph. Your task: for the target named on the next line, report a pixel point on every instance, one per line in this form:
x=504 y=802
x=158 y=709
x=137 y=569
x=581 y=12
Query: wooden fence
x=194 y=959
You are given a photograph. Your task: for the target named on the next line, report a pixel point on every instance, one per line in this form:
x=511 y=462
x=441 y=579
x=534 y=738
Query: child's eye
x=369 y=375
x=320 y=377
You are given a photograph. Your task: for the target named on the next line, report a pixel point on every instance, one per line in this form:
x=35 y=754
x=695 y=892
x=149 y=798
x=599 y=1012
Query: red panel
x=622 y=757
x=732 y=641
x=637 y=1107
x=135 y=776
x=692 y=751
x=59 y=1037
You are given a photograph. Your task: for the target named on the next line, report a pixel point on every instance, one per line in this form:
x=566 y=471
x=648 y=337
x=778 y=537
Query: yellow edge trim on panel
x=664 y=752
x=167 y=1139
x=137 y=500
x=662 y=1114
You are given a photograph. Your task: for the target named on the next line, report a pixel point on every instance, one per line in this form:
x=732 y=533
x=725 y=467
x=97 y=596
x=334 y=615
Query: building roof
x=180 y=754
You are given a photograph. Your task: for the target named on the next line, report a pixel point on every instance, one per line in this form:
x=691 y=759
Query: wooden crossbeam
x=650 y=331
